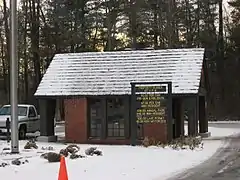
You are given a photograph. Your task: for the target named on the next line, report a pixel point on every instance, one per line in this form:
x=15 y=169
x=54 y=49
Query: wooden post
x=203 y=123
x=133 y=117
x=169 y=114
x=193 y=115
x=179 y=116
x=47 y=113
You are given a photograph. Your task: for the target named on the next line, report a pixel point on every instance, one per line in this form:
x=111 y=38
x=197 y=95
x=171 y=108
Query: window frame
x=104 y=130
x=34 y=113
x=89 y=128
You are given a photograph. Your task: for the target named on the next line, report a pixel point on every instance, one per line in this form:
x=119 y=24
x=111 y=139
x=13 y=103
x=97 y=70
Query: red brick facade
x=156 y=130
x=76 y=125
x=76 y=120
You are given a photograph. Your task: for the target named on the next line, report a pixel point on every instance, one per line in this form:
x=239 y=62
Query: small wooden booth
x=101 y=98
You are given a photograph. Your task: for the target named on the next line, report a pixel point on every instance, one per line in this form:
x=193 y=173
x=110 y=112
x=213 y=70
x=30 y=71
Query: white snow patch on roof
x=110 y=73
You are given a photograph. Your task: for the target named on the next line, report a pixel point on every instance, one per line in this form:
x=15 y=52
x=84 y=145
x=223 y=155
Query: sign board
x=151 y=103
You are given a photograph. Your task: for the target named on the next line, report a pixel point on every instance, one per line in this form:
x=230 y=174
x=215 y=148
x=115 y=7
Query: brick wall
x=76 y=120
x=156 y=130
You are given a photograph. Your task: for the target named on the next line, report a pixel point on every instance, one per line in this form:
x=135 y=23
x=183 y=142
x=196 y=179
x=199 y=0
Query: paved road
x=224 y=124
x=224 y=165
x=233 y=125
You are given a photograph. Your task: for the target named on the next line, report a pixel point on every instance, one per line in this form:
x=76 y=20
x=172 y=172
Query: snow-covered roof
x=110 y=73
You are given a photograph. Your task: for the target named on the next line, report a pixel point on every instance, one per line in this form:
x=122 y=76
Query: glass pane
x=121 y=125
x=116 y=132
x=122 y=132
x=116 y=125
x=93 y=132
x=93 y=126
x=98 y=133
x=110 y=125
x=110 y=132
x=99 y=126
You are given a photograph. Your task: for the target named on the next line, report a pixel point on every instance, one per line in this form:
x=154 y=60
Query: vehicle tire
x=22 y=132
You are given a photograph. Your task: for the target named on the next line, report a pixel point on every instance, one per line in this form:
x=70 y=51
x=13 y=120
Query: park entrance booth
x=121 y=97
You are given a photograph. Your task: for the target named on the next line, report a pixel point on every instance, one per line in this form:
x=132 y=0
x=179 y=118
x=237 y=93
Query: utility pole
x=14 y=77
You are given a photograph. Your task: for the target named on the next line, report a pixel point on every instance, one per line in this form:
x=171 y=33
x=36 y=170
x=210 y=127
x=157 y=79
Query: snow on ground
x=210 y=122
x=222 y=132
x=223 y=122
x=117 y=162
x=218 y=132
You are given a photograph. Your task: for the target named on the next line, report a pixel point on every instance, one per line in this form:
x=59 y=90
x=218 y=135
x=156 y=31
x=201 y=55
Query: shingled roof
x=110 y=73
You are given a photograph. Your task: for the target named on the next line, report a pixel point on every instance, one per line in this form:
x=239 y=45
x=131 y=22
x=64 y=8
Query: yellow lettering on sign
x=152 y=109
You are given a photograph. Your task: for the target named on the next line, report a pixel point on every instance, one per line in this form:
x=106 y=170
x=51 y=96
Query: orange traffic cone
x=62 y=170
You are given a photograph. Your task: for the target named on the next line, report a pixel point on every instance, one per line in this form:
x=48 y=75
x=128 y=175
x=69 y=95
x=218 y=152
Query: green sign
x=151 y=103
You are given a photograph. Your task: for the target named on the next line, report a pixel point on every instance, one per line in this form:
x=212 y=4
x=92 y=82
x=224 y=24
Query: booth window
x=115 y=117
x=95 y=112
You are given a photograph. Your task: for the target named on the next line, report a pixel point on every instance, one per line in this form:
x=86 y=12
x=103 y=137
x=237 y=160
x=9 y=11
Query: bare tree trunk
x=175 y=39
x=3 y=64
x=169 y=24
x=221 y=49
x=109 y=29
x=160 y=28
x=133 y=22
x=188 y=24
x=83 y=25
x=198 y=22
x=111 y=13
x=7 y=53
x=35 y=24
x=74 y=30
x=155 y=19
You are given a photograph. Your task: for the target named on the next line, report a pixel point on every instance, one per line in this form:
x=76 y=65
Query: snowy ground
x=117 y=162
x=211 y=122
x=219 y=132
x=223 y=132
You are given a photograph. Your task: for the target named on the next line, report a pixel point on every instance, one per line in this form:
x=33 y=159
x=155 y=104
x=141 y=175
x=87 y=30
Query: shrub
x=184 y=142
